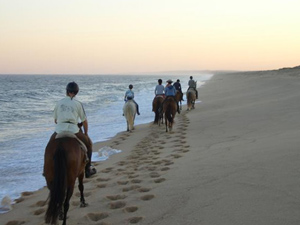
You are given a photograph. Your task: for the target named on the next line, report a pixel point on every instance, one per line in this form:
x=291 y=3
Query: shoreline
x=232 y=160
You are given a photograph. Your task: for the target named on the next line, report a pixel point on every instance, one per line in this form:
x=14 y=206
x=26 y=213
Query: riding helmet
x=130 y=86
x=72 y=87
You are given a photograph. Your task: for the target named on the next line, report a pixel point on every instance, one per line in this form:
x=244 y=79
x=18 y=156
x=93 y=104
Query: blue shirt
x=170 y=91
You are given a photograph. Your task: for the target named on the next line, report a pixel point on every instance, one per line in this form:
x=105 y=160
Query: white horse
x=129 y=111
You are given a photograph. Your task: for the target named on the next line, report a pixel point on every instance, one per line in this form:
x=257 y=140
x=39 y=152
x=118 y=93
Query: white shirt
x=67 y=113
x=159 y=89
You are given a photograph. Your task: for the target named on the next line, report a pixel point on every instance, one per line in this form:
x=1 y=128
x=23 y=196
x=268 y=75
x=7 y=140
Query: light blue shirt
x=170 y=91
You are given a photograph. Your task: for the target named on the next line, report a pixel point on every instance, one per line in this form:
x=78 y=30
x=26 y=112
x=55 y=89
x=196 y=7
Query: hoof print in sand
x=115 y=197
x=97 y=216
x=41 y=203
x=131 y=188
x=117 y=205
x=15 y=222
x=131 y=209
x=134 y=219
x=39 y=211
x=144 y=189
x=101 y=185
x=147 y=197
x=136 y=181
x=159 y=180
x=120 y=182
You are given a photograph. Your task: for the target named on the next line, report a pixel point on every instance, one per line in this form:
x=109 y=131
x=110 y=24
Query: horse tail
x=58 y=187
x=169 y=114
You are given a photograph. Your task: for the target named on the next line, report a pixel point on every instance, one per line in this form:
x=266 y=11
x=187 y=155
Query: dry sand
x=232 y=160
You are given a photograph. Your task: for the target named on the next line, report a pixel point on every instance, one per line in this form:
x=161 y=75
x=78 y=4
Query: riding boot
x=178 y=109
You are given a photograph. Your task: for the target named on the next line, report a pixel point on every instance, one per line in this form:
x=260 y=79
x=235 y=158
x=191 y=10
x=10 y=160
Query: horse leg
x=81 y=189
x=166 y=122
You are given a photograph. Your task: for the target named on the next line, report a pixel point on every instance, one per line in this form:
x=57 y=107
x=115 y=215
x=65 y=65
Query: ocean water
x=26 y=122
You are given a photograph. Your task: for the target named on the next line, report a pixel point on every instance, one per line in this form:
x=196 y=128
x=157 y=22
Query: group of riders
x=68 y=111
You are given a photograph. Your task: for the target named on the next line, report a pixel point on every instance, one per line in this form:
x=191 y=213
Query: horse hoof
x=82 y=205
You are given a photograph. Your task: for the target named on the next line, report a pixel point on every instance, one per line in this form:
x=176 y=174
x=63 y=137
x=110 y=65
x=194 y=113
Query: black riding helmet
x=130 y=86
x=72 y=87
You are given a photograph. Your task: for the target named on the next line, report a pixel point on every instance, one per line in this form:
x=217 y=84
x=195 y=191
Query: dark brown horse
x=156 y=106
x=169 y=109
x=64 y=161
x=178 y=97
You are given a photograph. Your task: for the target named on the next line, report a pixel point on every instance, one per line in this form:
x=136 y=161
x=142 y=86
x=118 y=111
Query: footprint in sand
x=164 y=168
x=116 y=197
x=39 y=211
x=136 y=181
x=134 y=220
x=133 y=187
x=86 y=194
x=107 y=170
x=117 y=205
x=26 y=193
x=97 y=216
x=102 y=179
x=120 y=182
x=101 y=185
x=154 y=175
x=143 y=189
x=40 y=203
x=130 y=209
x=147 y=197
x=159 y=180
x=15 y=222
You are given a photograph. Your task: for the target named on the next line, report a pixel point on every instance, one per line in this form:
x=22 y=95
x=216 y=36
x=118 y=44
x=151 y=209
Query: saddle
x=72 y=135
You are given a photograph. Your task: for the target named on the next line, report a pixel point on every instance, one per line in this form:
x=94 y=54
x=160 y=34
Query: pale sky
x=130 y=36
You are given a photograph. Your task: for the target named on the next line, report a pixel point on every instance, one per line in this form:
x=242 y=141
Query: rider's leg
x=88 y=143
x=137 y=108
x=196 y=93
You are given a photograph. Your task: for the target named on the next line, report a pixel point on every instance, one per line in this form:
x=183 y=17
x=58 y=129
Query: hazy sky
x=124 y=36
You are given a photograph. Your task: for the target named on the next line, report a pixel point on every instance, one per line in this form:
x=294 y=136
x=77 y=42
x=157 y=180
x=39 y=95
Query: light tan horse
x=64 y=162
x=191 y=98
x=129 y=111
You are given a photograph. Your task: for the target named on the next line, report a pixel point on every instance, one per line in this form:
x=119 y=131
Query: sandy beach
x=232 y=160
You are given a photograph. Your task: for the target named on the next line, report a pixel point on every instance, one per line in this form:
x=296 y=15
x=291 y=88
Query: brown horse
x=191 y=98
x=64 y=161
x=156 y=105
x=178 y=97
x=169 y=109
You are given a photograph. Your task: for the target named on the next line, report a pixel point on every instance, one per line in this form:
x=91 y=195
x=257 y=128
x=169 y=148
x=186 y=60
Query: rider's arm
x=85 y=127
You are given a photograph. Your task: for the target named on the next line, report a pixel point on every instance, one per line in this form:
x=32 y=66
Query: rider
x=67 y=113
x=159 y=89
x=170 y=92
x=129 y=95
x=177 y=86
x=193 y=85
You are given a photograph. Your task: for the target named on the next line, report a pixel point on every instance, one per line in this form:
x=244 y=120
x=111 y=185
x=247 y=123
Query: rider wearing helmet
x=177 y=86
x=129 y=95
x=67 y=113
x=193 y=85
